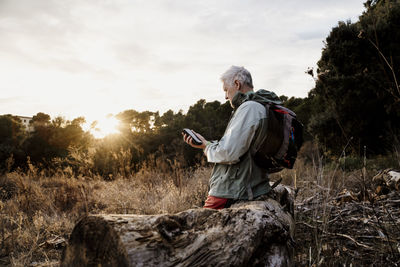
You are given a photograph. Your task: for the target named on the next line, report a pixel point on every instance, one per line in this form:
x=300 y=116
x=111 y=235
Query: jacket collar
x=262 y=96
x=239 y=98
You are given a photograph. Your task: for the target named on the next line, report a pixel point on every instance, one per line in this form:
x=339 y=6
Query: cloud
x=47 y=34
x=10 y=100
x=159 y=54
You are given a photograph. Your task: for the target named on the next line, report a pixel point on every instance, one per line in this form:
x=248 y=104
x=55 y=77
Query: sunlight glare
x=105 y=126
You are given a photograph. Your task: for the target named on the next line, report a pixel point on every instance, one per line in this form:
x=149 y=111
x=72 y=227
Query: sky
x=92 y=58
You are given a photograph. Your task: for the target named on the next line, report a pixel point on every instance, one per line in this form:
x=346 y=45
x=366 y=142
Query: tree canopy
x=356 y=98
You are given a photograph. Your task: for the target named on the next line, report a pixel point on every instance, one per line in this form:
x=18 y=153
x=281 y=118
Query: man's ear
x=237 y=85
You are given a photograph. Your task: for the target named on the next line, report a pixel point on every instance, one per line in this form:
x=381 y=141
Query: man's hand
x=189 y=140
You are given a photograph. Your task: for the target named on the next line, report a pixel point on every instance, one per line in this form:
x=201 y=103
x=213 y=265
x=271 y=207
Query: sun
x=104 y=126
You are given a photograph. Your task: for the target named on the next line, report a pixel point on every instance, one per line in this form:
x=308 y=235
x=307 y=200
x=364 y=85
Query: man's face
x=230 y=91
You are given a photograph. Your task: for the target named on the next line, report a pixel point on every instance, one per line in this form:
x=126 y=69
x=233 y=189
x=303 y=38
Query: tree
x=40 y=119
x=12 y=135
x=54 y=138
x=356 y=93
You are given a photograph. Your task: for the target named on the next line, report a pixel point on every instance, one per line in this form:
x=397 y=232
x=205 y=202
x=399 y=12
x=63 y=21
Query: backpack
x=283 y=138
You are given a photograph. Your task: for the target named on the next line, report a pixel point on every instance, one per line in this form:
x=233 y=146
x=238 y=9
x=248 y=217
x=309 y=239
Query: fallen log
x=251 y=233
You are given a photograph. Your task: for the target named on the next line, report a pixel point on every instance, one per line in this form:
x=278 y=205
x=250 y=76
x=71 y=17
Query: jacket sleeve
x=238 y=134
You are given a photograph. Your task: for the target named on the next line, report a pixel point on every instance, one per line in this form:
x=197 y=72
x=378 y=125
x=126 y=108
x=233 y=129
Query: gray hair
x=236 y=73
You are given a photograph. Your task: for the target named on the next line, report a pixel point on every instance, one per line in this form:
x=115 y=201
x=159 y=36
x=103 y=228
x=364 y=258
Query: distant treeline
x=355 y=105
x=144 y=138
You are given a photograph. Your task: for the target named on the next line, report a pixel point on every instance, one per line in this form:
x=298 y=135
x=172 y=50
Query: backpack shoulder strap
x=287 y=125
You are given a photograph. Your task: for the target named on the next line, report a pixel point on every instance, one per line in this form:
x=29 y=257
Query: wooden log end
x=94 y=242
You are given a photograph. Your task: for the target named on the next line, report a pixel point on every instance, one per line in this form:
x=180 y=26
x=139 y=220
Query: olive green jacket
x=235 y=174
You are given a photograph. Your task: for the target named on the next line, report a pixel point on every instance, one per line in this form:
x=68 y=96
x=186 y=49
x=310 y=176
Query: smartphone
x=189 y=132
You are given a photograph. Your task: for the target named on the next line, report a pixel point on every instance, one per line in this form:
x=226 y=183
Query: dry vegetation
x=342 y=217
x=38 y=212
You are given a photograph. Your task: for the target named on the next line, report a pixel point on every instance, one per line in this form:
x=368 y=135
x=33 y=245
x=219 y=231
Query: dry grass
x=38 y=212
x=340 y=219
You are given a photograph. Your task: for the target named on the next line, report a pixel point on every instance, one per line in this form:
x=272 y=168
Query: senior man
x=235 y=175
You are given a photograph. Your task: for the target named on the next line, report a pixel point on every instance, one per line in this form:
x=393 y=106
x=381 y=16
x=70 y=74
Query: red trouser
x=215 y=203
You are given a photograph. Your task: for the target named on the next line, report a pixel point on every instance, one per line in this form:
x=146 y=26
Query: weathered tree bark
x=251 y=233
